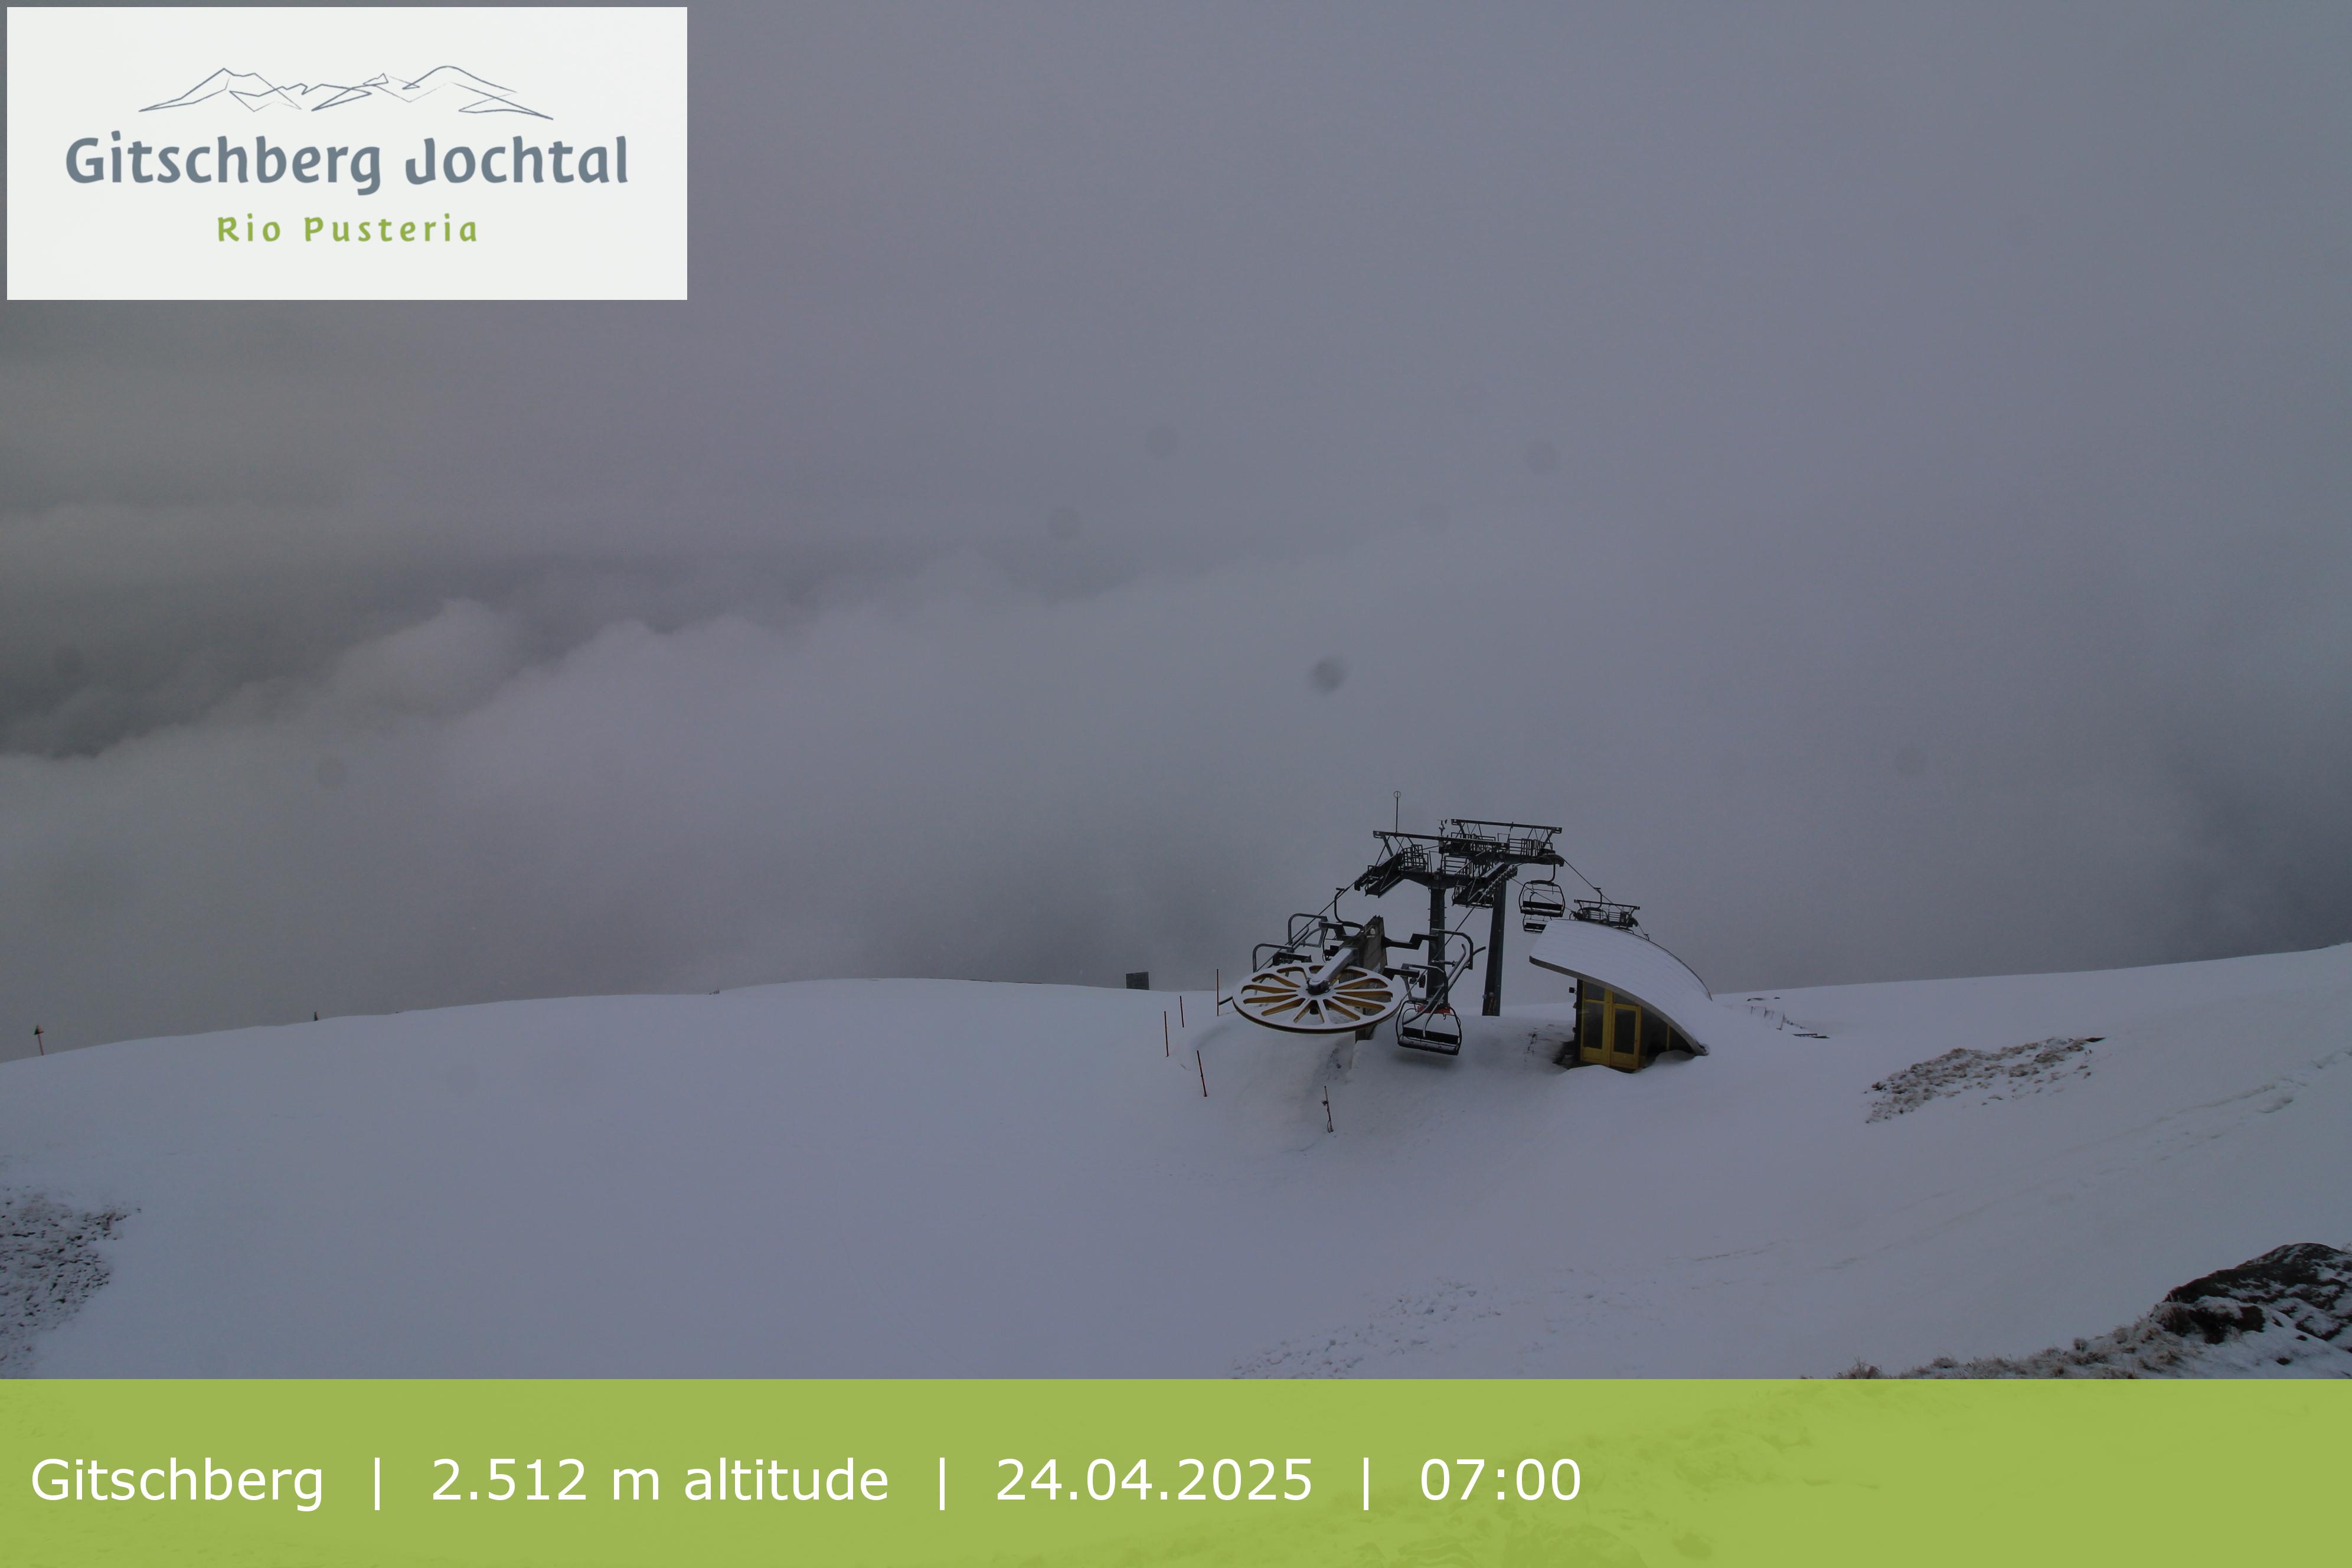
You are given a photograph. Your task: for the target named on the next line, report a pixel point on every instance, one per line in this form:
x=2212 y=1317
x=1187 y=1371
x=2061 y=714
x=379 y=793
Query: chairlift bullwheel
x=1285 y=996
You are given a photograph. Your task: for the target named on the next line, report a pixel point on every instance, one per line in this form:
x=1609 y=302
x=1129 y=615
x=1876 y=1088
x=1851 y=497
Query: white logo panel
x=347 y=153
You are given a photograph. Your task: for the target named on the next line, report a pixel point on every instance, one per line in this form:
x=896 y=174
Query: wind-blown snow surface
x=931 y=1177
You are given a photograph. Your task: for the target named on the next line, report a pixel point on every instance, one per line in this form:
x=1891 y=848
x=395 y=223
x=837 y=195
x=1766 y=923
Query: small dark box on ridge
x=1139 y=980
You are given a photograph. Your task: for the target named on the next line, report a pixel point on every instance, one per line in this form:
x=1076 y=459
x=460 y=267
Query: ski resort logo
x=249 y=153
x=451 y=87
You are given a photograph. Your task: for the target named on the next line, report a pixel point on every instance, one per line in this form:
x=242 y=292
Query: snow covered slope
x=931 y=1177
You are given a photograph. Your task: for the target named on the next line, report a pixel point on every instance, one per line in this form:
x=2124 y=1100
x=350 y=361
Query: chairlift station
x=1329 y=975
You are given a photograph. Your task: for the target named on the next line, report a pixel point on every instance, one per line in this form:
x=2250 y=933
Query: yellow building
x=1635 y=1001
x=1614 y=1029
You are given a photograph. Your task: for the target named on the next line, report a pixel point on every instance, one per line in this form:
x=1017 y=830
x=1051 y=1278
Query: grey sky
x=1881 y=481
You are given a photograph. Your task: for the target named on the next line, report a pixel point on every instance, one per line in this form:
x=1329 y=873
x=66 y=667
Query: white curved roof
x=1641 y=968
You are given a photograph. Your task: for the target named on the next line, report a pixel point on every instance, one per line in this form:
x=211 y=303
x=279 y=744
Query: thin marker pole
x=37 y=1041
x=1180 y=1012
x=1204 y=1072
x=1166 y=1048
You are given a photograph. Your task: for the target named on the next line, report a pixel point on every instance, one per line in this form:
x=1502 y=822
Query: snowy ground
x=931 y=1177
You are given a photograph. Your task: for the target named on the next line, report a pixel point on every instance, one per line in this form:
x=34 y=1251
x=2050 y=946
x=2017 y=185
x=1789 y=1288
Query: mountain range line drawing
x=449 y=86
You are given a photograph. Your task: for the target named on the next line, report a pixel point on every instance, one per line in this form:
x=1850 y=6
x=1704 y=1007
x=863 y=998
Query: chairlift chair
x=1439 y=1030
x=1540 y=903
x=1601 y=911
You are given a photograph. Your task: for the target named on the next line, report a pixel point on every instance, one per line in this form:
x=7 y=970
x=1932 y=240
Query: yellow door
x=1625 y=1036
x=1609 y=1030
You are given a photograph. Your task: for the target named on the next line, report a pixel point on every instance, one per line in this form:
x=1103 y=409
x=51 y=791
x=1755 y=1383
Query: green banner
x=1090 y=1472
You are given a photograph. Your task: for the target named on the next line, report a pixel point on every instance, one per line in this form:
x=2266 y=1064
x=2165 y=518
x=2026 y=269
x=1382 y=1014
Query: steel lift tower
x=1473 y=863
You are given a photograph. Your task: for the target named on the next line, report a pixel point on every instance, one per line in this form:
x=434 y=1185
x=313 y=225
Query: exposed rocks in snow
x=2284 y=1314
x=2029 y=1069
x=49 y=1264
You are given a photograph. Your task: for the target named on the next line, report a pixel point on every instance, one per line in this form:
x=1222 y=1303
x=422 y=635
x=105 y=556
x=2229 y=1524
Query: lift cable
x=1585 y=879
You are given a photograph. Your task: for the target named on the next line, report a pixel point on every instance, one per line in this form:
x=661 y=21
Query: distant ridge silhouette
x=253 y=93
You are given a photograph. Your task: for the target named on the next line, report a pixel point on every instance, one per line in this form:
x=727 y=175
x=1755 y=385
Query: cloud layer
x=1879 y=484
